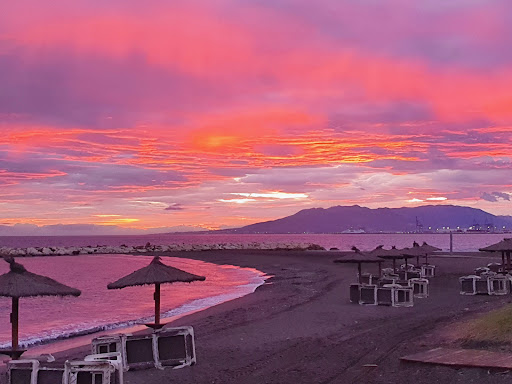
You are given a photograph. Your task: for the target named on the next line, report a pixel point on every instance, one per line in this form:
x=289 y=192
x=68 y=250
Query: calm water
x=461 y=242
x=47 y=318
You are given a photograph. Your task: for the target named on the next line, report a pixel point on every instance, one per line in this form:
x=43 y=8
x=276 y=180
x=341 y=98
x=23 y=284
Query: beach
x=299 y=327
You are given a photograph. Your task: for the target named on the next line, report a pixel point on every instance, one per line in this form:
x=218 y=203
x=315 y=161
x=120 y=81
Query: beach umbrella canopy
x=504 y=246
x=359 y=258
x=390 y=254
x=426 y=249
x=415 y=251
x=18 y=282
x=155 y=273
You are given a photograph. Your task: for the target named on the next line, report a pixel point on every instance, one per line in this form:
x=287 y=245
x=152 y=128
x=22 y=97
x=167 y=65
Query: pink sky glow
x=214 y=114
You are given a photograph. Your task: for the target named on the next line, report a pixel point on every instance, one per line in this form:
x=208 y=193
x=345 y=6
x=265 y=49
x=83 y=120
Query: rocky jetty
x=149 y=248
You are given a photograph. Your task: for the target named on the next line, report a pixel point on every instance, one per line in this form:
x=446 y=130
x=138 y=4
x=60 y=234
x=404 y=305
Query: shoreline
x=299 y=327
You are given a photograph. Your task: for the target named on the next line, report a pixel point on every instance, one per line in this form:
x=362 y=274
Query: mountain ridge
x=336 y=219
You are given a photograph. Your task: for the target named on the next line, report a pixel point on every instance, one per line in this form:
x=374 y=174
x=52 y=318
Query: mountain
x=345 y=218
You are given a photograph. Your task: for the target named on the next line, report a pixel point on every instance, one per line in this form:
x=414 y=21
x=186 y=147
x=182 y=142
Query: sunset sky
x=214 y=114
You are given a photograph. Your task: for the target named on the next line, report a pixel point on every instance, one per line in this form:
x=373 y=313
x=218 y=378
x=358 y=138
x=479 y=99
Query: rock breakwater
x=149 y=248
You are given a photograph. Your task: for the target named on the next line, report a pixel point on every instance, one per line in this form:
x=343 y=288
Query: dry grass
x=493 y=328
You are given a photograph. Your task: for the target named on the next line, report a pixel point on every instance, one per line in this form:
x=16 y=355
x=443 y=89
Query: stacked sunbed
x=392 y=288
x=490 y=280
x=112 y=356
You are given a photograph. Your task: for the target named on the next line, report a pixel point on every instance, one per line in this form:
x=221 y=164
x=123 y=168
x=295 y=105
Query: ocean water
x=44 y=319
x=461 y=242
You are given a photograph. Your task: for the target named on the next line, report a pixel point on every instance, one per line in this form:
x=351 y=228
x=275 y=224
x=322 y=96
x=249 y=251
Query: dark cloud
x=174 y=207
x=489 y=197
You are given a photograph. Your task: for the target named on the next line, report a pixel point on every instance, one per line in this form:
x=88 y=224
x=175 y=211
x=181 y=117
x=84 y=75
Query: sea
x=45 y=320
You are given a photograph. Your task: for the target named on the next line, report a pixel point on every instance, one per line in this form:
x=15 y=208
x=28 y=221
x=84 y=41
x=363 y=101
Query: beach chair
x=32 y=371
x=368 y=295
x=419 y=287
x=93 y=372
x=480 y=270
x=483 y=284
x=402 y=296
x=175 y=347
x=387 y=280
x=136 y=350
x=407 y=267
x=498 y=285
x=107 y=344
x=495 y=267
x=385 y=296
x=365 y=278
x=166 y=347
x=22 y=371
x=468 y=284
x=428 y=270
x=409 y=274
x=114 y=358
x=355 y=294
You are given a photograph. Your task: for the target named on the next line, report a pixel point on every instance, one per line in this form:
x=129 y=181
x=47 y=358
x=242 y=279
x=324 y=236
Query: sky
x=182 y=115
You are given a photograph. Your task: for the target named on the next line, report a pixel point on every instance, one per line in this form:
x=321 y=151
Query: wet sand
x=301 y=327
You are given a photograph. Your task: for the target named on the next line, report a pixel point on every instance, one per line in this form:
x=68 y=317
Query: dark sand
x=301 y=327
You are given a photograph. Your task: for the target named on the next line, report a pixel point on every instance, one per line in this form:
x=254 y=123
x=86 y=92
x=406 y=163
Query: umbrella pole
x=359 y=272
x=417 y=261
x=503 y=259
x=380 y=269
x=394 y=264
x=14 y=322
x=157 y=304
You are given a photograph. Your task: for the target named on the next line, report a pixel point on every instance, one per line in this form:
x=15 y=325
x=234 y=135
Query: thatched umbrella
x=18 y=282
x=390 y=254
x=504 y=246
x=155 y=273
x=359 y=258
x=428 y=249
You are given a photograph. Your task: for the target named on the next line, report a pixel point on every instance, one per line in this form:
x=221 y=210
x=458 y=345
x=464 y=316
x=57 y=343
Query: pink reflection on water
x=46 y=318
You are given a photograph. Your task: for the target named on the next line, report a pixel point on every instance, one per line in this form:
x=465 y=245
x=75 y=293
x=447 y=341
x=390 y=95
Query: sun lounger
x=175 y=347
x=94 y=372
x=34 y=371
x=355 y=294
x=402 y=295
x=368 y=295
x=165 y=347
x=480 y=270
x=468 y=284
x=367 y=278
x=428 y=270
x=385 y=296
x=114 y=358
x=419 y=287
x=495 y=267
x=498 y=285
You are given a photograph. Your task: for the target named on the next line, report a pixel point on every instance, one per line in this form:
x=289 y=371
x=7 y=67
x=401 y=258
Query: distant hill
x=345 y=218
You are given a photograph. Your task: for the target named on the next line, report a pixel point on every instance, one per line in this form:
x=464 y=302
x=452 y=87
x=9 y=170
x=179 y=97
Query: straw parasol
x=155 y=273
x=359 y=258
x=390 y=254
x=18 y=282
x=504 y=246
x=428 y=249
